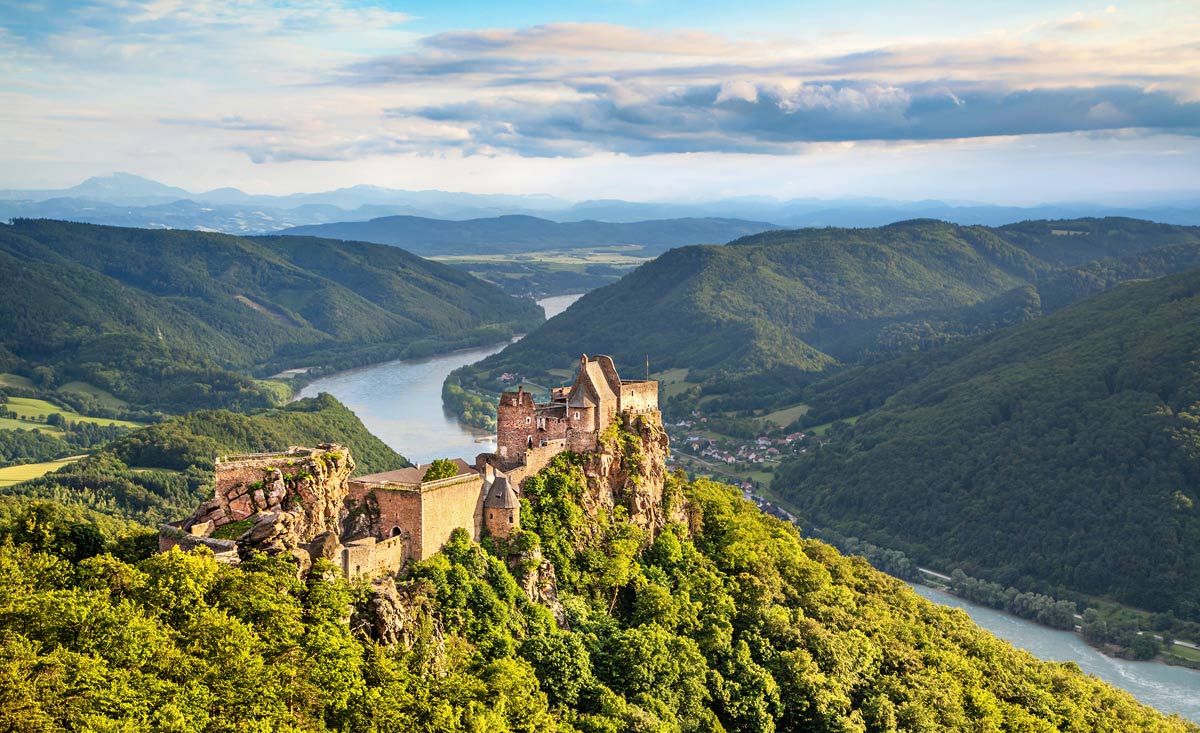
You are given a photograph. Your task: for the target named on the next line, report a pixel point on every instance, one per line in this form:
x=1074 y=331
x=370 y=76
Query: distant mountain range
x=123 y=199
x=518 y=233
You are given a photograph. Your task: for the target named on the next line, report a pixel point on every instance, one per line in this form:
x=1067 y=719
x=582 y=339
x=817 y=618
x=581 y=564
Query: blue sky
x=1016 y=102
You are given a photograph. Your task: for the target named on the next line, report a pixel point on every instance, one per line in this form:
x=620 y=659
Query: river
x=401 y=402
x=1166 y=688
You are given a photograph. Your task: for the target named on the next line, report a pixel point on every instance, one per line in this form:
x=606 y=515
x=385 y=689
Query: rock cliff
x=629 y=469
x=278 y=503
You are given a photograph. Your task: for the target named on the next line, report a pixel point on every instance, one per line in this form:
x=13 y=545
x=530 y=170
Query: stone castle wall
x=514 y=424
x=448 y=506
x=639 y=396
x=369 y=557
x=399 y=508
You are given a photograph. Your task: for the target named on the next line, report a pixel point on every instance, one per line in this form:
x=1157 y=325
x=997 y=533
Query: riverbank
x=1166 y=688
x=401 y=400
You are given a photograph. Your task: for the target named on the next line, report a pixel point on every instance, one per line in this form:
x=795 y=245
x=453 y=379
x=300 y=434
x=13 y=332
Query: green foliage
x=1045 y=457
x=440 y=468
x=743 y=628
x=177 y=320
x=181 y=452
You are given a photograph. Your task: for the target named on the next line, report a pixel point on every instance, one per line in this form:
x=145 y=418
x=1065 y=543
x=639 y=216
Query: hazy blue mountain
x=234 y=211
x=509 y=234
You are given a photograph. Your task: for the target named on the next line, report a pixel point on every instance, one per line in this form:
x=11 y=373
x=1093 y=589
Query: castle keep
x=575 y=416
x=303 y=501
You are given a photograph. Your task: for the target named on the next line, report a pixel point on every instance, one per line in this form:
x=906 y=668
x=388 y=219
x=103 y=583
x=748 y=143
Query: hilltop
x=1056 y=454
x=175 y=320
x=755 y=321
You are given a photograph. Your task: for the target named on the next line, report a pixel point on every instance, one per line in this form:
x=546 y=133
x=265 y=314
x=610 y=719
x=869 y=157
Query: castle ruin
x=303 y=501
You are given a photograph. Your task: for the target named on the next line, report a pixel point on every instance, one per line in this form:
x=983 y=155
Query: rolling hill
x=1062 y=453
x=175 y=320
x=757 y=320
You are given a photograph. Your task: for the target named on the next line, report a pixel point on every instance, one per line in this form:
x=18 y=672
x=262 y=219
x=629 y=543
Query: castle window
x=489 y=515
x=528 y=419
x=577 y=414
x=510 y=519
x=395 y=531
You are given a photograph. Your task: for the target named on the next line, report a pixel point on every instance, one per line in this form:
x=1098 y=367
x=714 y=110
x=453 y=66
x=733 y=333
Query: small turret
x=501 y=507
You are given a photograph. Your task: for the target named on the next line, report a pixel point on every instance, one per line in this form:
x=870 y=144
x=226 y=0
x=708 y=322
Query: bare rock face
x=632 y=472
x=400 y=615
x=288 y=498
x=537 y=578
x=361 y=519
x=325 y=546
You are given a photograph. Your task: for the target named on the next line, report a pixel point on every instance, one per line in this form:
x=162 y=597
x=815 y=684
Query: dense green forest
x=736 y=625
x=180 y=320
x=1058 y=454
x=161 y=472
x=755 y=322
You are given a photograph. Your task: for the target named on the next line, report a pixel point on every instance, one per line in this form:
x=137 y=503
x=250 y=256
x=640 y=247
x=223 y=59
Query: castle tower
x=501 y=508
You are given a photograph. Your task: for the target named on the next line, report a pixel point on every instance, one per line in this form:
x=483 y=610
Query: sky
x=1003 y=102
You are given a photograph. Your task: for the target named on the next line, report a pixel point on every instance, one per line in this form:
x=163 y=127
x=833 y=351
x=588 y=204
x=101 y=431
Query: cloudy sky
x=1006 y=102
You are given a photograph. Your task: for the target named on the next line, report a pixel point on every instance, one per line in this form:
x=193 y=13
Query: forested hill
x=731 y=623
x=1061 y=453
x=164 y=318
x=515 y=233
x=760 y=316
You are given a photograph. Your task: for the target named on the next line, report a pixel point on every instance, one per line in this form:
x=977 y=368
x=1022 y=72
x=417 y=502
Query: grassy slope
x=1062 y=452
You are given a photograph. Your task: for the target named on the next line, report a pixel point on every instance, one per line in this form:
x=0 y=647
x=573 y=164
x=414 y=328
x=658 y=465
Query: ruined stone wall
x=639 y=396
x=448 y=506
x=310 y=484
x=535 y=460
x=581 y=441
x=398 y=508
x=368 y=557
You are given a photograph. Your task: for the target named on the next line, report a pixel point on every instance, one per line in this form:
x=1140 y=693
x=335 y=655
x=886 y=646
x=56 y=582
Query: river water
x=1166 y=688
x=401 y=402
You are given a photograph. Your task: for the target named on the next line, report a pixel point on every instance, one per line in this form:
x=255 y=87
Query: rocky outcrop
x=537 y=578
x=402 y=615
x=277 y=503
x=629 y=468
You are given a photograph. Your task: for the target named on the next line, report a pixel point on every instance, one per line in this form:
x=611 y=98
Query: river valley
x=401 y=402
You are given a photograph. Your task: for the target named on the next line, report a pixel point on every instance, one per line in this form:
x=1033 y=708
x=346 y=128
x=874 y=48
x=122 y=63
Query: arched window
x=530 y=441
x=528 y=419
x=395 y=531
x=577 y=414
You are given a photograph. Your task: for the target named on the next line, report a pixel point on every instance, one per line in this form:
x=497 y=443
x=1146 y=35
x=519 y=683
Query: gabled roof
x=591 y=386
x=500 y=495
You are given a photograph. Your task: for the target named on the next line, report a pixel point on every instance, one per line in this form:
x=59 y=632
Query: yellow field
x=16 y=474
x=103 y=398
x=787 y=415
x=7 y=423
x=31 y=408
x=13 y=380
